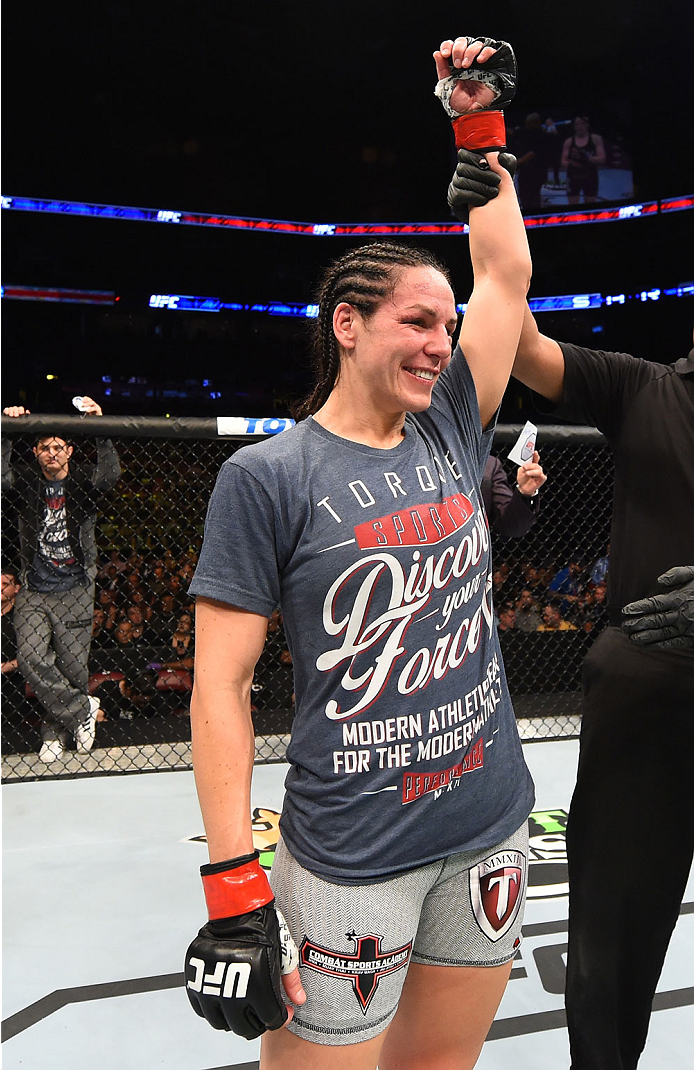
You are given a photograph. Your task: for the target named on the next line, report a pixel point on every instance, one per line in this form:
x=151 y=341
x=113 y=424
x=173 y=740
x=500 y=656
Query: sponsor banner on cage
x=252 y=425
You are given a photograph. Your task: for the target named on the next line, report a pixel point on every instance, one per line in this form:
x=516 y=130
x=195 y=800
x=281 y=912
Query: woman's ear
x=344 y=323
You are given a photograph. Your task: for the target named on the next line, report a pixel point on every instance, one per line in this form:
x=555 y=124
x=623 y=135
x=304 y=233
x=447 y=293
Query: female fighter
x=401 y=866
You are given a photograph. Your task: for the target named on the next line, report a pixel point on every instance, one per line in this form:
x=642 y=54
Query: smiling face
x=392 y=359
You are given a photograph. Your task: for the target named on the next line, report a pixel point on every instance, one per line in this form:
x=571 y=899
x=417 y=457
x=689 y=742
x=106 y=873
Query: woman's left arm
x=498 y=243
x=494 y=317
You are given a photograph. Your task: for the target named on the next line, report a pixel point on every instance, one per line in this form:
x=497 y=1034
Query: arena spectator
x=507 y=619
x=528 y=617
x=182 y=652
x=135 y=561
x=552 y=620
x=99 y=633
x=598 y=573
x=132 y=583
x=108 y=578
x=533 y=579
x=131 y=697
x=124 y=652
x=138 y=598
x=156 y=581
x=57 y=503
x=498 y=585
x=123 y=632
x=185 y=622
x=164 y=616
x=9 y=590
x=107 y=600
x=567 y=582
x=15 y=706
x=596 y=616
x=115 y=562
x=136 y=616
x=186 y=571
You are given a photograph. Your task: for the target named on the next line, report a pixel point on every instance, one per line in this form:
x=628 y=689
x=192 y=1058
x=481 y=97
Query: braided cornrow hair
x=362 y=278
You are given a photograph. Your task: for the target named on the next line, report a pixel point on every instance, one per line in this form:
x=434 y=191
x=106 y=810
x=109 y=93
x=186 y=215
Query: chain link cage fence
x=125 y=635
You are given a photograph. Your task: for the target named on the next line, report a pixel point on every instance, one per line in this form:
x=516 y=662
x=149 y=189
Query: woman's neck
x=362 y=424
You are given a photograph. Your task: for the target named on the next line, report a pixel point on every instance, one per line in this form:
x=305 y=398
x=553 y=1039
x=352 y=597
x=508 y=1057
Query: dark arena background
x=174 y=180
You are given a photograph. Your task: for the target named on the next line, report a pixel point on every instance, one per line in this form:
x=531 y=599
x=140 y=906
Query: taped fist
x=474 y=183
x=499 y=72
x=233 y=967
x=489 y=68
x=665 y=621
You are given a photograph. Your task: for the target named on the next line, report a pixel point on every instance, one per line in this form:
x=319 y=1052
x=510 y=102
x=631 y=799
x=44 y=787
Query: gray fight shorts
x=356 y=941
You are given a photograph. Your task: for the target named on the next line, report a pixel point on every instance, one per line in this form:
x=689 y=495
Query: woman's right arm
x=228 y=643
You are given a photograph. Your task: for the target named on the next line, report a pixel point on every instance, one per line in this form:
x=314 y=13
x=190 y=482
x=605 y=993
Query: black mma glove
x=233 y=967
x=482 y=130
x=665 y=621
x=474 y=183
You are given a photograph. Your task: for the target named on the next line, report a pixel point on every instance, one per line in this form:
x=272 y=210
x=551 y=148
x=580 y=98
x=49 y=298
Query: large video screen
x=571 y=158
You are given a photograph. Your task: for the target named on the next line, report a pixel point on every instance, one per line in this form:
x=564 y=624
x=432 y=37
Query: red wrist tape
x=236 y=891
x=480 y=130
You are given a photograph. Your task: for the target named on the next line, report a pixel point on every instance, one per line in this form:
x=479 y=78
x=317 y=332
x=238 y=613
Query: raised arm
x=498 y=242
x=8 y=479
x=107 y=470
x=494 y=317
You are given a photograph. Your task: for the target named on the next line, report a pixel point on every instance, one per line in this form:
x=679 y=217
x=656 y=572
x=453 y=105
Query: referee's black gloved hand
x=664 y=621
x=234 y=965
x=474 y=183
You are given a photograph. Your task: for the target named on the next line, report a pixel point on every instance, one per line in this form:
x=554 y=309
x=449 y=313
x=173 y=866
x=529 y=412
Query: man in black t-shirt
x=631 y=830
x=57 y=503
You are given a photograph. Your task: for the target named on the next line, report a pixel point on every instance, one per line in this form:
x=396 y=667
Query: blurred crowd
x=144 y=628
x=552 y=598
x=142 y=657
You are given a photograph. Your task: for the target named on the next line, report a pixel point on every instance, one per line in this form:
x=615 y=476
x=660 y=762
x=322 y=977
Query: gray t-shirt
x=404 y=747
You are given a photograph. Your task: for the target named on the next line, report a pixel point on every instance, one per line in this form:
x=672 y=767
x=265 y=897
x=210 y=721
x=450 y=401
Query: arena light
x=677 y=204
x=557 y=303
x=58 y=294
x=176 y=217
x=188 y=303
